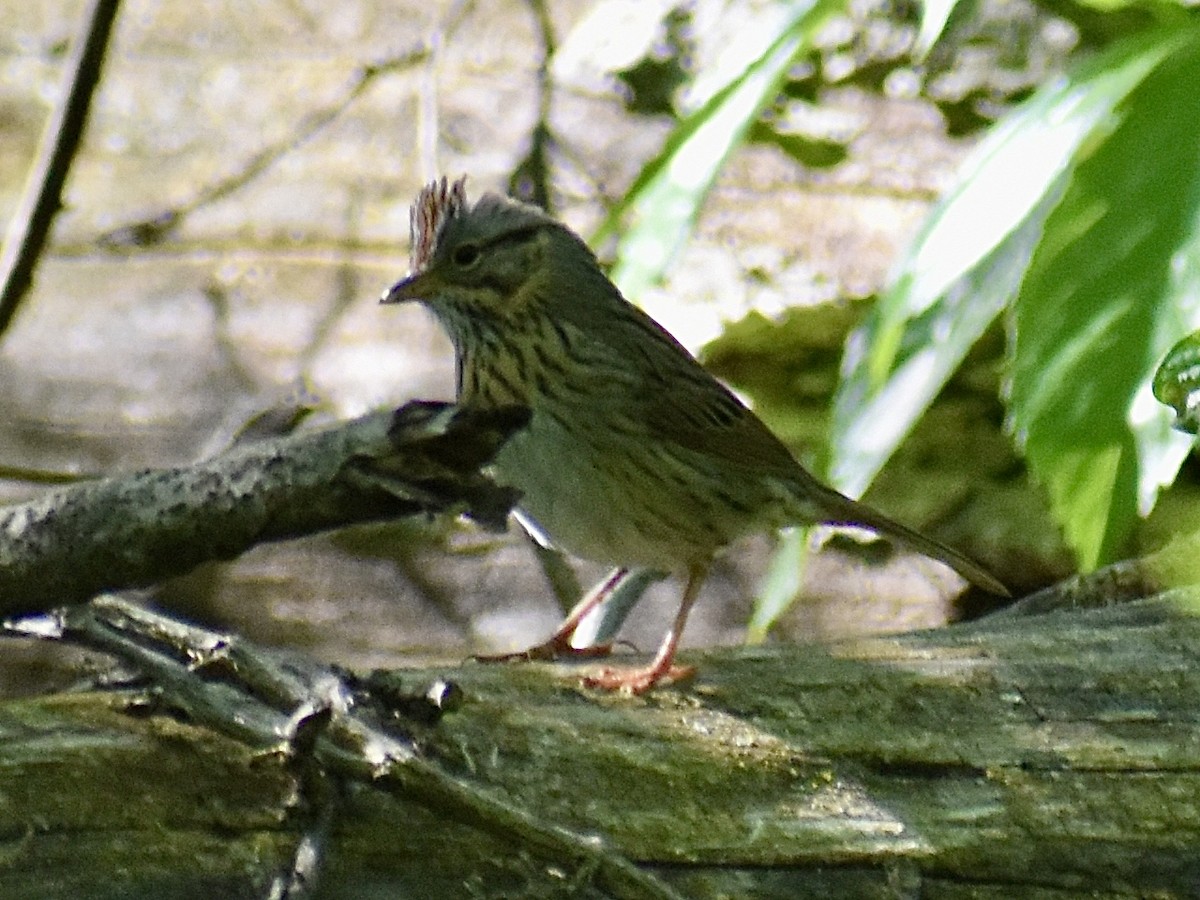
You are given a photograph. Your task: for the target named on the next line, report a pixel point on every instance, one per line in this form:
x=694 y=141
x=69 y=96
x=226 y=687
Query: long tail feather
x=838 y=509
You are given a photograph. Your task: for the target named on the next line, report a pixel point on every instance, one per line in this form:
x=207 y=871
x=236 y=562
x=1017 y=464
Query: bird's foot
x=637 y=681
x=557 y=647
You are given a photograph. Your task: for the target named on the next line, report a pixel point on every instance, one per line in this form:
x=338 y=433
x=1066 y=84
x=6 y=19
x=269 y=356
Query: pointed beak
x=421 y=286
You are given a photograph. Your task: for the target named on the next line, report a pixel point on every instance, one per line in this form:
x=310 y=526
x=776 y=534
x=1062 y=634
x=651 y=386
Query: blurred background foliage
x=752 y=170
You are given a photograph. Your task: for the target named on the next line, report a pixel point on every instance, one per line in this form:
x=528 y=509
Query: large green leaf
x=1113 y=284
x=660 y=208
x=968 y=262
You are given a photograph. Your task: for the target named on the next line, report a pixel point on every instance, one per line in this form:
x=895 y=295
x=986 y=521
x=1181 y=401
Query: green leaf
x=781 y=583
x=968 y=262
x=809 y=151
x=1113 y=284
x=1177 y=383
x=1161 y=7
x=662 y=204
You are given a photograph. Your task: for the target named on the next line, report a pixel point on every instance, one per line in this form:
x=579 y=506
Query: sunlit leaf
x=1161 y=7
x=969 y=260
x=1114 y=283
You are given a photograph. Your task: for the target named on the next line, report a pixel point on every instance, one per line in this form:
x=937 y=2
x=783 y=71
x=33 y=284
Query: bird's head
x=482 y=265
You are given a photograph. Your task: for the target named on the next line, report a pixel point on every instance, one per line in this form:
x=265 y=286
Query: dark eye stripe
x=520 y=236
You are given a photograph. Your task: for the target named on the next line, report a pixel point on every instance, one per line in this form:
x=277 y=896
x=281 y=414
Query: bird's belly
x=603 y=497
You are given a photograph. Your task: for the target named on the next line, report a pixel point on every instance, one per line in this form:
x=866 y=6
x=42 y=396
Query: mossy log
x=1052 y=755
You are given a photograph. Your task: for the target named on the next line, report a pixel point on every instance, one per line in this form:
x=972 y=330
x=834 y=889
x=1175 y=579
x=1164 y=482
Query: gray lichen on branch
x=133 y=530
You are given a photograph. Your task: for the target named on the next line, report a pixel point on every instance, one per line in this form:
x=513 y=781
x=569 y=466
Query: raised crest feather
x=436 y=204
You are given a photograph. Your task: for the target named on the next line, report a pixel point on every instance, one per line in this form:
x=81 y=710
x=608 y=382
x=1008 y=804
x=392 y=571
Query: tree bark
x=134 y=530
x=1052 y=755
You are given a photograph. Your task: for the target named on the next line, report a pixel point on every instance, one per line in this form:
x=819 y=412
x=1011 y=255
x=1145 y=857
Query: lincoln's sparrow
x=635 y=455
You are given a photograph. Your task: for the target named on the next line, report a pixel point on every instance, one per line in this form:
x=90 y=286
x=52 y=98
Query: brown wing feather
x=685 y=405
x=712 y=421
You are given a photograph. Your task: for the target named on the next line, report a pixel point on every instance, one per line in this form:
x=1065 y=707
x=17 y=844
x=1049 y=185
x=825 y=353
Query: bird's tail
x=837 y=509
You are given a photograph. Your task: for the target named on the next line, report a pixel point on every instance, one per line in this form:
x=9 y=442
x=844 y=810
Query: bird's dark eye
x=465 y=256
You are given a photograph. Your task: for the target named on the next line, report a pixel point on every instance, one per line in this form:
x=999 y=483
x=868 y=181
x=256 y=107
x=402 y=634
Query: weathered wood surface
x=1053 y=755
x=136 y=529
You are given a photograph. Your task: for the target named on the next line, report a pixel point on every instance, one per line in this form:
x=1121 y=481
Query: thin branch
x=42 y=198
x=137 y=529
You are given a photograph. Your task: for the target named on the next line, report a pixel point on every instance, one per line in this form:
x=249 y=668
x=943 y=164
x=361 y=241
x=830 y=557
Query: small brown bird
x=635 y=456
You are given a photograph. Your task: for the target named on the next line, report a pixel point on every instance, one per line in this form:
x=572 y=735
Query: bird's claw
x=636 y=681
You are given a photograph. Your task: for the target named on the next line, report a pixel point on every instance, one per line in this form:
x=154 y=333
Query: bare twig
x=42 y=198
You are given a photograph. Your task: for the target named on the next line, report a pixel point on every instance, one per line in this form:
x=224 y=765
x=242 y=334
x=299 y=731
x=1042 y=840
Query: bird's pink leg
x=662 y=669
x=558 y=644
